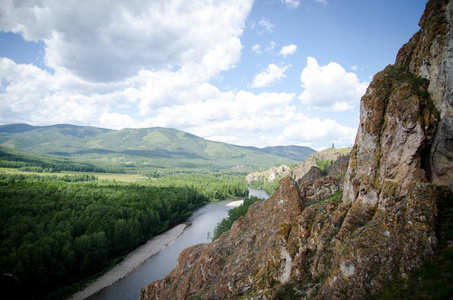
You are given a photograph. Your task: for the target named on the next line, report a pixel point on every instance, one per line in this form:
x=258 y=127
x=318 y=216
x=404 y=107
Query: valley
x=75 y=200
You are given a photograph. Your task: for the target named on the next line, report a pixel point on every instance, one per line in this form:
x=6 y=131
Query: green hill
x=47 y=139
x=298 y=153
x=138 y=148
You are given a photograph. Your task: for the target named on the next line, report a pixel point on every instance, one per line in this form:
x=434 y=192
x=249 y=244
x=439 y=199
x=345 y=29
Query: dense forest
x=58 y=230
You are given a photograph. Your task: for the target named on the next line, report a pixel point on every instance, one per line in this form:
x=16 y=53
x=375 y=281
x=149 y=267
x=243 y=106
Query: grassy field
x=100 y=176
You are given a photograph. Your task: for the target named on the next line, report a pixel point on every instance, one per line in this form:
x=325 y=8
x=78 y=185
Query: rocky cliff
x=310 y=239
x=313 y=167
x=314 y=160
x=269 y=175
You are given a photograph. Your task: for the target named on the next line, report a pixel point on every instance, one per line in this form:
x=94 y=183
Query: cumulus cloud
x=330 y=86
x=34 y=96
x=149 y=63
x=288 y=50
x=268 y=76
x=317 y=131
x=264 y=118
x=109 y=42
x=291 y=4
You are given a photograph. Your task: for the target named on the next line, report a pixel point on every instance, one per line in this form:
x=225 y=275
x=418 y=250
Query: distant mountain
x=143 y=148
x=298 y=153
x=48 y=139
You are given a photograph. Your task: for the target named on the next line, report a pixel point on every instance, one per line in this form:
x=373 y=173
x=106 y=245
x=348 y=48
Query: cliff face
x=300 y=244
x=326 y=155
x=306 y=170
x=429 y=54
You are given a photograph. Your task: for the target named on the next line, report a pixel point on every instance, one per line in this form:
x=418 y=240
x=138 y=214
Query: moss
x=341 y=175
x=323 y=164
x=401 y=74
x=337 y=198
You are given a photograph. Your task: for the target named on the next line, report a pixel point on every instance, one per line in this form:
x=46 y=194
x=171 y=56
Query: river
x=203 y=221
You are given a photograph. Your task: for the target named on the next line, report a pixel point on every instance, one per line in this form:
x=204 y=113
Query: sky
x=254 y=73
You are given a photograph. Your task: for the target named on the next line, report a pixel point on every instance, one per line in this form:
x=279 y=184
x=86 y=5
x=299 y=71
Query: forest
x=56 y=231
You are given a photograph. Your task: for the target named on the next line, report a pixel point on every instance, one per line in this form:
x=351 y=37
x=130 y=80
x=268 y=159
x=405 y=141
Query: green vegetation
x=32 y=162
x=336 y=197
x=323 y=164
x=210 y=186
x=233 y=215
x=401 y=74
x=74 y=200
x=57 y=230
x=11 y=178
x=297 y=153
x=127 y=150
x=265 y=185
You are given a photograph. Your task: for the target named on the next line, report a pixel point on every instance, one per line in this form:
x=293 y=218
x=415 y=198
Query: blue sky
x=258 y=73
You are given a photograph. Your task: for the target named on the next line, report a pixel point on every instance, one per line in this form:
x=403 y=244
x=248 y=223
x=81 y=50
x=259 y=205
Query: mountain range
x=143 y=148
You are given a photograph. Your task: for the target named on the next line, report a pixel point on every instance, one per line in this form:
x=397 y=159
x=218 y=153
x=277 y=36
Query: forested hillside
x=130 y=150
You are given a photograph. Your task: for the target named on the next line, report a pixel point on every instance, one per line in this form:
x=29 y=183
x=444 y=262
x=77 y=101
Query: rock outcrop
x=330 y=154
x=309 y=239
x=270 y=175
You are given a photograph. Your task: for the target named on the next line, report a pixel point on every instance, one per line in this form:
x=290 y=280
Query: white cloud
x=317 y=132
x=118 y=121
x=266 y=24
x=257 y=49
x=322 y=1
x=102 y=42
x=271 y=46
x=271 y=74
x=288 y=50
x=37 y=97
x=292 y=4
x=330 y=86
x=149 y=63
x=245 y=118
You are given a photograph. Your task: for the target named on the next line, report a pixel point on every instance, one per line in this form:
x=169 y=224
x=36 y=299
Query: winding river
x=203 y=221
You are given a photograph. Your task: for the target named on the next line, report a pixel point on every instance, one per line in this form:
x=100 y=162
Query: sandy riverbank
x=131 y=262
x=235 y=203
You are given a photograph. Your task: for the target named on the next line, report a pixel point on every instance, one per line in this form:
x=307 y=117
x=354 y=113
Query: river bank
x=235 y=203
x=203 y=222
x=131 y=262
